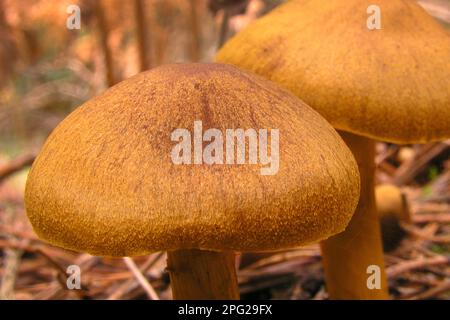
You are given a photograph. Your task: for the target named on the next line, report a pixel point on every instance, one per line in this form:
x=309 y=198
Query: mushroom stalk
x=347 y=256
x=202 y=275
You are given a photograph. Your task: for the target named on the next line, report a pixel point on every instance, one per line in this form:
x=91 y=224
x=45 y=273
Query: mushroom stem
x=202 y=275
x=347 y=255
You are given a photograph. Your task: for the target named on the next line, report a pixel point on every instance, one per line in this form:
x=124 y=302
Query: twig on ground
x=420 y=263
x=129 y=284
x=16 y=164
x=151 y=293
x=432 y=292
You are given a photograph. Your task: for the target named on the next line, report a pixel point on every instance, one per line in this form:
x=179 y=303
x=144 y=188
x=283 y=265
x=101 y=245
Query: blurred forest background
x=47 y=70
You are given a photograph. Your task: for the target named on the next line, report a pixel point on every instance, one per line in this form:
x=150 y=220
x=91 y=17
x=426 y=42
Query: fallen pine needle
x=141 y=279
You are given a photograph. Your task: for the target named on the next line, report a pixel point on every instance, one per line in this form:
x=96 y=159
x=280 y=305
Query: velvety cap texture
x=105 y=182
x=389 y=84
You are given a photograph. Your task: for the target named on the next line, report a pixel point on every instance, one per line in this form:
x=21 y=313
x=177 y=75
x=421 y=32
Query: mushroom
x=105 y=182
x=393 y=210
x=405 y=154
x=390 y=84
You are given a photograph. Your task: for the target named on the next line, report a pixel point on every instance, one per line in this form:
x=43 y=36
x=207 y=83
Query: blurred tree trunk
x=142 y=35
x=104 y=35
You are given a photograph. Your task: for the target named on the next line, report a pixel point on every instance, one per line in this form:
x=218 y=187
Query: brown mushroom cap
x=104 y=182
x=391 y=84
